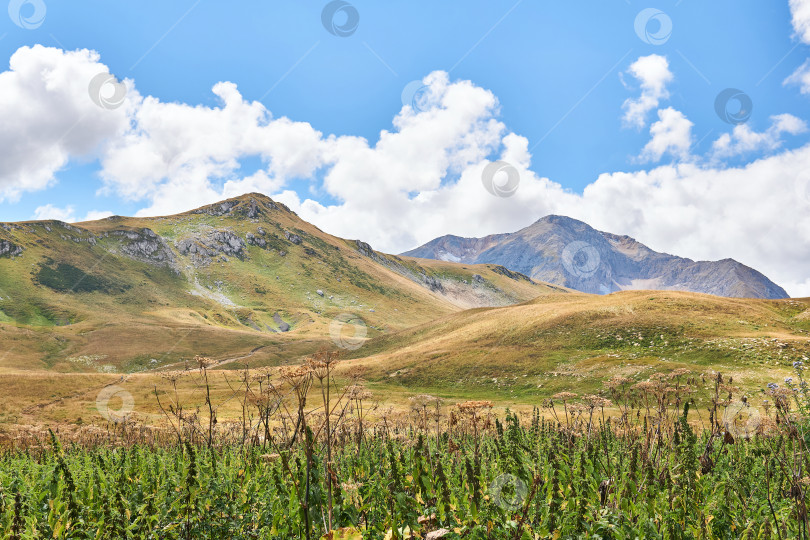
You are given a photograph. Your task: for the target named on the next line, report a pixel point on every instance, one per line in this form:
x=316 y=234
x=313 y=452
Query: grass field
x=106 y=304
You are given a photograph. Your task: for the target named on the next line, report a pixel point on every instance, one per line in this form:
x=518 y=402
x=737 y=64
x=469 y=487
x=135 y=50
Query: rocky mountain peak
x=568 y=252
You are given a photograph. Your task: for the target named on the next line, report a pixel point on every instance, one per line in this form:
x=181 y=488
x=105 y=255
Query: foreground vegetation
x=648 y=459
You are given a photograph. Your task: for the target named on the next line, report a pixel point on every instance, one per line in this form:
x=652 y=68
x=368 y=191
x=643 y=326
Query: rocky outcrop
x=219 y=209
x=254 y=240
x=570 y=253
x=292 y=237
x=146 y=246
x=517 y=276
x=9 y=249
x=215 y=244
x=282 y=326
x=251 y=206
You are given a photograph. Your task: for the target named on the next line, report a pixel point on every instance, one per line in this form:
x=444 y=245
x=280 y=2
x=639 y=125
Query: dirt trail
x=216 y=364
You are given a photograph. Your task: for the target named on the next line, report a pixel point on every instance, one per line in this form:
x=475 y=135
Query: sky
x=682 y=123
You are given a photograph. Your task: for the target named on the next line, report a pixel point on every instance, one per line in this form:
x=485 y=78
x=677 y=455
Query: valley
x=247 y=284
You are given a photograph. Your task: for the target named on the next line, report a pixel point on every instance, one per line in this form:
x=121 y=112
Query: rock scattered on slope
x=205 y=248
x=254 y=240
x=282 y=326
x=146 y=246
x=9 y=249
x=292 y=237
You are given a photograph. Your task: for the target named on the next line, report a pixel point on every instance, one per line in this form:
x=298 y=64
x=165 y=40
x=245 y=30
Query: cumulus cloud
x=67 y=214
x=421 y=179
x=800 y=11
x=653 y=74
x=801 y=78
x=48 y=116
x=50 y=211
x=94 y=215
x=744 y=140
x=672 y=135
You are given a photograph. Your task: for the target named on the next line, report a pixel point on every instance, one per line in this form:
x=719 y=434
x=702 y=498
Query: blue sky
x=559 y=72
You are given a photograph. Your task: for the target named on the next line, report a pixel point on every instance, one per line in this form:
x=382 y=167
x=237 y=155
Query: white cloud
x=67 y=214
x=653 y=75
x=50 y=211
x=672 y=134
x=800 y=10
x=744 y=140
x=801 y=78
x=48 y=116
x=421 y=179
x=94 y=215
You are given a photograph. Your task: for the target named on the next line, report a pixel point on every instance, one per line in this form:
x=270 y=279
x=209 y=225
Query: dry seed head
x=616 y=381
x=294 y=374
x=644 y=386
x=597 y=401
x=359 y=392
x=564 y=396
x=473 y=406
x=202 y=361
x=172 y=376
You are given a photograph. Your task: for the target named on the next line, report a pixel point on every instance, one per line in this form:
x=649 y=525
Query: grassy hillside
x=127 y=294
x=577 y=341
x=247 y=282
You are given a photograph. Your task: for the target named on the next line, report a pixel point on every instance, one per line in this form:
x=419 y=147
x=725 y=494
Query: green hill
x=575 y=342
x=247 y=274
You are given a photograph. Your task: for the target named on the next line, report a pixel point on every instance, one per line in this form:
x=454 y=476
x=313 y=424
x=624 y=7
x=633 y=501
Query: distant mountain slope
x=568 y=252
x=576 y=342
x=221 y=280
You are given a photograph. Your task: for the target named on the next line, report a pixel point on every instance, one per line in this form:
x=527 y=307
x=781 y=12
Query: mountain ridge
x=219 y=279
x=567 y=252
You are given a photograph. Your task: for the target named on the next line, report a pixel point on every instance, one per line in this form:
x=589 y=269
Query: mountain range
x=247 y=282
x=570 y=253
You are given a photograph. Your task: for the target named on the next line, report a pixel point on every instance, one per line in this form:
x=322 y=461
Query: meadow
x=657 y=458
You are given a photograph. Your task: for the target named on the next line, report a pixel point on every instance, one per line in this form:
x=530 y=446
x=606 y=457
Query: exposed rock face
x=146 y=246
x=219 y=209
x=394 y=263
x=570 y=253
x=282 y=326
x=216 y=243
x=254 y=240
x=292 y=237
x=365 y=249
x=9 y=249
x=252 y=208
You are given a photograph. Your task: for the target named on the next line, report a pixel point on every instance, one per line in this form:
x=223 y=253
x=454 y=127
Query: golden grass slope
x=577 y=341
x=131 y=294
